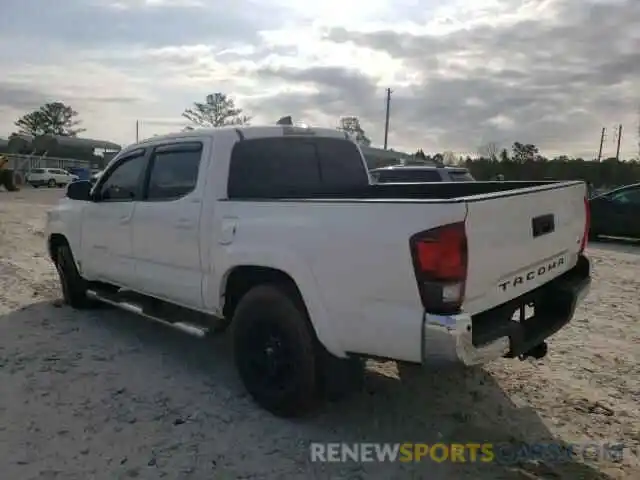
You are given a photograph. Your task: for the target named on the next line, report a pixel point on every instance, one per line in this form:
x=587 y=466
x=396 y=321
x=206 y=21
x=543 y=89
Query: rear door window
x=174 y=170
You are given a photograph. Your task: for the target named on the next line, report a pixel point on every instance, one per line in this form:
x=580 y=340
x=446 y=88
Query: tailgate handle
x=543 y=224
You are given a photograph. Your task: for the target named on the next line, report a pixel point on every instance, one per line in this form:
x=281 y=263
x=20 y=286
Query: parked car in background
x=50 y=177
x=616 y=213
x=420 y=173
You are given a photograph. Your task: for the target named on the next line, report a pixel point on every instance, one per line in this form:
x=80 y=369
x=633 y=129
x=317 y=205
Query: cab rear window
x=298 y=166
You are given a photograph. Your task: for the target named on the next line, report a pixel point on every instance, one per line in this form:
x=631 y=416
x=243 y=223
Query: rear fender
x=294 y=267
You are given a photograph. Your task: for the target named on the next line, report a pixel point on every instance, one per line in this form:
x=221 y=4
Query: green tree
x=351 y=125
x=218 y=110
x=524 y=152
x=53 y=118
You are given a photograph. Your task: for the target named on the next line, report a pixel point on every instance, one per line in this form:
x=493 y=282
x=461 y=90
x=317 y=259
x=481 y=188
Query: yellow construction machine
x=7 y=177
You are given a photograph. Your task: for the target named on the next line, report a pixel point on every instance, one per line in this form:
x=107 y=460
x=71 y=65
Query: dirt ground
x=106 y=395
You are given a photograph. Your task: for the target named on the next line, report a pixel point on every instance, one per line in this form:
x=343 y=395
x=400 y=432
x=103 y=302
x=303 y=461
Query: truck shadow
x=145 y=360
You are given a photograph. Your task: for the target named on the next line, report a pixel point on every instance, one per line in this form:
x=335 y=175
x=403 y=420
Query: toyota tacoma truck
x=275 y=232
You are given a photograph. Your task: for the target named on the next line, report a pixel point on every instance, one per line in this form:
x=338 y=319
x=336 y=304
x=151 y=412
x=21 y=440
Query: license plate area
x=524 y=312
x=543 y=225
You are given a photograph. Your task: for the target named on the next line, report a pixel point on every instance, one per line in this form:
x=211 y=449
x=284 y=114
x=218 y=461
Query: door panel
x=106 y=242
x=166 y=226
x=107 y=247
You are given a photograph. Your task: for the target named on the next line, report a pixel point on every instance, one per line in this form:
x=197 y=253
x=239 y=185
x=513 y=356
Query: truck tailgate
x=520 y=240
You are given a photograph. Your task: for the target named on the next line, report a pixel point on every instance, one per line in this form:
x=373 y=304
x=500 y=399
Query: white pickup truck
x=279 y=232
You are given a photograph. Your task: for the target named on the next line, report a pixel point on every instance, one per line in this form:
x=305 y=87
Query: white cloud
x=463 y=72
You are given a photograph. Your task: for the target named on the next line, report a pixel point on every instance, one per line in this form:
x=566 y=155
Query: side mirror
x=80 y=190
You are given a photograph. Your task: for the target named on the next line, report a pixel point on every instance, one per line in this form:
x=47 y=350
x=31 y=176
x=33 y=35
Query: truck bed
x=521 y=234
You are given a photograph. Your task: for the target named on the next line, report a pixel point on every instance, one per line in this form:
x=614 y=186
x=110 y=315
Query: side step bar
x=199 y=331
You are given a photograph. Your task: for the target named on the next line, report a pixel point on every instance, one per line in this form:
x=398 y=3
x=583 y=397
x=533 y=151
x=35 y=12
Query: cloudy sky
x=463 y=72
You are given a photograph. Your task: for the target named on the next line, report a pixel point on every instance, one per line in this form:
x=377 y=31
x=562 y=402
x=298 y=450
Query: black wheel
x=35 y=186
x=74 y=287
x=51 y=183
x=274 y=351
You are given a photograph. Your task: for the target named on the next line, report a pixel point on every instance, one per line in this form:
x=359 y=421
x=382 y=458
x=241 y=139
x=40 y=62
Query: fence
x=23 y=164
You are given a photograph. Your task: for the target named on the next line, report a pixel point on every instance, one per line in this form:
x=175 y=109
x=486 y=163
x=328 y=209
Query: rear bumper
x=478 y=339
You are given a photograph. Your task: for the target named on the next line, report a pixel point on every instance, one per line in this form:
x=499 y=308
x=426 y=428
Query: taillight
x=440 y=263
x=587 y=224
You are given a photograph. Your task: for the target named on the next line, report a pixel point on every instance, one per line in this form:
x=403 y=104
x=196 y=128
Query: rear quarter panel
x=350 y=259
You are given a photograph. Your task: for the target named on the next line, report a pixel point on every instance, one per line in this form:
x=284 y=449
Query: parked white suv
x=51 y=177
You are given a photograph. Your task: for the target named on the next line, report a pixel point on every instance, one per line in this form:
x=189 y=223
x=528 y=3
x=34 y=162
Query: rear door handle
x=229 y=228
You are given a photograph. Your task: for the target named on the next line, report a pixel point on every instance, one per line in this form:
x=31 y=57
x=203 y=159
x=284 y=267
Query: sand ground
x=107 y=395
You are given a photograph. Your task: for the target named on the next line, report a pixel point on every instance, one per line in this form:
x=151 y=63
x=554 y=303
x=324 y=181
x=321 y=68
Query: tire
x=74 y=287
x=51 y=183
x=274 y=351
x=7 y=179
x=35 y=186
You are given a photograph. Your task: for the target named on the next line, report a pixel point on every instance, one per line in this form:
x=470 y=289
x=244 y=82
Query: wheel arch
x=239 y=279
x=55 y=241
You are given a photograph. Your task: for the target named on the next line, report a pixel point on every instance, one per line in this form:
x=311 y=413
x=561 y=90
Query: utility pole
x=601 y=142
x=137 y=131
x=386 y=122
x=638 y=132
x=619 y=139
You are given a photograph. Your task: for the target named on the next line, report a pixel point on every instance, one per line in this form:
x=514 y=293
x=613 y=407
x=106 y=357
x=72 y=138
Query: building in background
x=52 y=151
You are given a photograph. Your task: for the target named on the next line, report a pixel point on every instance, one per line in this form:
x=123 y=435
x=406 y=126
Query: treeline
x=524 y=162
x=607 y=173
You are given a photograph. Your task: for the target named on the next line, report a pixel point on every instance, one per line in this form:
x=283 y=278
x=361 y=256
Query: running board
x=199 y=331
